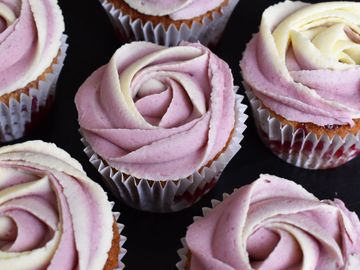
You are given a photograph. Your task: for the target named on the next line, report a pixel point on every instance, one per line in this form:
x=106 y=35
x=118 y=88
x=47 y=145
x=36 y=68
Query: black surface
x=153 y=239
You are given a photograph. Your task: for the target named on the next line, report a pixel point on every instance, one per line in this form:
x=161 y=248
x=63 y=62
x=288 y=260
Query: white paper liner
x=184 y=251
x=16 y=115
x=300 y=147
x=122 y=240
x=170 y=196
x=208 y=32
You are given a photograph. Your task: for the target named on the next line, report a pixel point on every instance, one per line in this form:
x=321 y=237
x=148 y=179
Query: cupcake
x=160 y=124
x=52 y=215
x=32 y=51
x=273 y=224
x=169 y=22
x=302 y=77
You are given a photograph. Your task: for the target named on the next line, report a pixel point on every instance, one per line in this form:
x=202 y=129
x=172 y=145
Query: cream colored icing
x=158 y=113
x=30 y=38
x=175 y=9
x=51 y=215
x=304 y=62
x=275 y=224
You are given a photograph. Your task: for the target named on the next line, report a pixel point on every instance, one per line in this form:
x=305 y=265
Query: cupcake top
x=275 y=224
x=30 y=38
x=51 y=215
x=175 y=9
x=304 y=62
x=158 y=113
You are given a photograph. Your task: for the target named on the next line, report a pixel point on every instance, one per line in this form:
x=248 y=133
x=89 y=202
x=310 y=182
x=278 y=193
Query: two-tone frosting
x=176 y=10
x=30 y=38
x=304 y=62
x=51 y=215
x=275 y=224
x=158 y=113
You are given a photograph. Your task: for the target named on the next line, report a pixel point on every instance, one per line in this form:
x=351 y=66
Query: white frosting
x=91 y=246
x=175 y=9
x=304 y=62
x=29 y=42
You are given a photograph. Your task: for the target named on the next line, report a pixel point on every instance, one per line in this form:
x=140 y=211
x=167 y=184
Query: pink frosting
x=303 y=63
x=51 y=215
x=175 y=9
x=275 y=224
x=158 y=113
x=30 y=34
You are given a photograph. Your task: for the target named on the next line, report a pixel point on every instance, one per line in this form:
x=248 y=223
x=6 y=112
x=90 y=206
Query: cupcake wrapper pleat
x=171 y=195
x=299 y=147
x=183 y=254
x=123 y=251
x=15 y=116
x=171 y=35
x=184 y=251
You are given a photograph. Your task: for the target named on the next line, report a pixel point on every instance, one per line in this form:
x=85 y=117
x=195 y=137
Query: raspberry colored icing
x=175 y=9
x=304 y=62
x=275 y=224
x=158 y=113
x=51 y=215
x=30 y=38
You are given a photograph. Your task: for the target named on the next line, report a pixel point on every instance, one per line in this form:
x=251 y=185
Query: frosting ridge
x=51 y=215
x=304 y=62
x=176 y=10
x=275 y=218
x=142 y=111
x=40 y=24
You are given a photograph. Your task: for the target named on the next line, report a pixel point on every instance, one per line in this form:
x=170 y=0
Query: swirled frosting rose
x=30 y=33
x=158 y=113
x=275 y=224
x=304 y=62
x=51 y=215
x=175 y=9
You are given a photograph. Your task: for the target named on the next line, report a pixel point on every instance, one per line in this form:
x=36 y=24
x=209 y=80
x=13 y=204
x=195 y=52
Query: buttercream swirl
x=275 y=224
x=304 y=62
x=158 y=113
x=175 y=9
x=30 y=38
x=51 y=215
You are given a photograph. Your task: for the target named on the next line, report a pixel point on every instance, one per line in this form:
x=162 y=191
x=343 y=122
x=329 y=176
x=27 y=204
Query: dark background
x=153 y=239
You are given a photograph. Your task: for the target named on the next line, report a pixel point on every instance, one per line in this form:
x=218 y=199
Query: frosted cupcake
x=161 y=123
x=32 y=51
x=302 y=73
x=52 y=215
x=169 y=22
x=273 y=224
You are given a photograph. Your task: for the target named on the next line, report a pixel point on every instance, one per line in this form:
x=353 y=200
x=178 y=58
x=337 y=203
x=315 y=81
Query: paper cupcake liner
x=208 y=32
x=300 y=147
x=15 y=117
x=184 y=251
x=170 y=196
x=122 y=239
